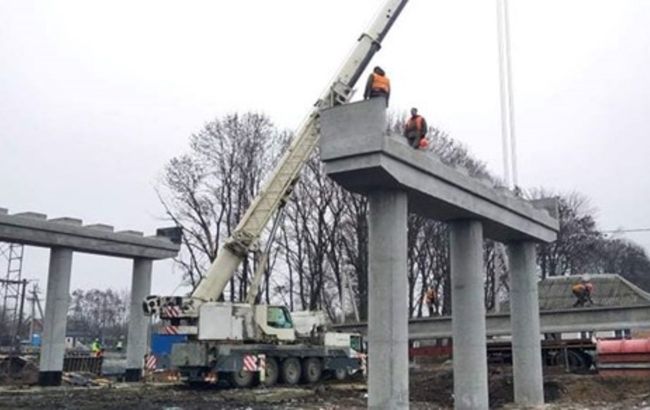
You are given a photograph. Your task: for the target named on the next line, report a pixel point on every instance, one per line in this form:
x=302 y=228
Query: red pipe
x=623 y=346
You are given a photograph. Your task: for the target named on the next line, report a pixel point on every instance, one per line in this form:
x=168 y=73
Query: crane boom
x=246 y=235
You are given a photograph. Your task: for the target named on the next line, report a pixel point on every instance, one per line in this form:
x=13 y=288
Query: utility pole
x=509 y=146
x=10 y=287
x=35 y=302
x=19 y=324
x=19 y=310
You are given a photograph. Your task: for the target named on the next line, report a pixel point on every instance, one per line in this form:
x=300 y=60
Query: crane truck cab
x=223 y=321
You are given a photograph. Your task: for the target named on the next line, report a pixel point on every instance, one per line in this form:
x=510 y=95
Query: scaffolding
x=12 y=292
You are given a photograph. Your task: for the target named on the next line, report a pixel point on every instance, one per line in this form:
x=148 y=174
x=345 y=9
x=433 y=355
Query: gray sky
x=95 y=96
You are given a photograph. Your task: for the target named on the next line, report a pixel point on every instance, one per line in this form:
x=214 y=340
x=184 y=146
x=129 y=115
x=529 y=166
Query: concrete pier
x=55 y=320
x=468 y=315
x=388 y=379
x=524 y=314
x=137 y=340
x=361 y=155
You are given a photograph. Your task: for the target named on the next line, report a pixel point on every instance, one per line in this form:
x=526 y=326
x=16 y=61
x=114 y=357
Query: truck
x=238 y=341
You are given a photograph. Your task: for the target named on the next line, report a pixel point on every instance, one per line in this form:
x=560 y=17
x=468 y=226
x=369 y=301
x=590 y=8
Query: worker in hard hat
x=378 y=85
x=415 y=130
x=430 y=298
x=582 y=291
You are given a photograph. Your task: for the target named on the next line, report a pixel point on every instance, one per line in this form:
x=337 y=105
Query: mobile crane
x=234 y=338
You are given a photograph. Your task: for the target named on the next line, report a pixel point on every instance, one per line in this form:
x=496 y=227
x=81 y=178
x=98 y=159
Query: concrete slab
x=551 y=321
x=101 y=227
x=35 y=215
x=360 y=155
x=34 y=229
x=129 y=232
x=67 y=220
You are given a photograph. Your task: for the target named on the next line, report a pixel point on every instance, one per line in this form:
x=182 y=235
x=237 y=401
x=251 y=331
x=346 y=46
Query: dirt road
x=428 y=390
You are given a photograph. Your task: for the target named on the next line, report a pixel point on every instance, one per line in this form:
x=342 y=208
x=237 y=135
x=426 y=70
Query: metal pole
x=507 y=102
x=33 y=313
x=511 y=104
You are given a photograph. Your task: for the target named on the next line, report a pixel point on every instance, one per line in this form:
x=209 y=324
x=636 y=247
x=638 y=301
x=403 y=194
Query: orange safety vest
x=578 y=288
x=415 y=122
x=430 y=296
x=380 y=83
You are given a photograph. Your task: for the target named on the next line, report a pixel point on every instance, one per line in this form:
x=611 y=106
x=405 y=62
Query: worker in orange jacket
x=430 y=298
x=378 y=85
x=415 y=130
x=582 y=291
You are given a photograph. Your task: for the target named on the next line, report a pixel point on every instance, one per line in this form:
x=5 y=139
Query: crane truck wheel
x=272 y=372
x=312 y=369
x=341 y=374
x=291 y=371
x=242 y=378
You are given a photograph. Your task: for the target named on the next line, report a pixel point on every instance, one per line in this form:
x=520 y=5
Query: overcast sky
x=95 y=96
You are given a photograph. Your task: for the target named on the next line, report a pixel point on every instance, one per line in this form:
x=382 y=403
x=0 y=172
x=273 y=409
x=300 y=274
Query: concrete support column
x=136 y=346
x=468 y=315
x=524 y=316
x=56 y=310
x=388 y=377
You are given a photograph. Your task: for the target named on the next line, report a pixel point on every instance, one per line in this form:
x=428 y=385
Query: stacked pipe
x=624 y=357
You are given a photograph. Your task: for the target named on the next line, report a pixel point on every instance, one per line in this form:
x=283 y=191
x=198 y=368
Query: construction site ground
x=430 y=388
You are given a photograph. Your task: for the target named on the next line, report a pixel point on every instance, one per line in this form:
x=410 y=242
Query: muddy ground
x=430 y=388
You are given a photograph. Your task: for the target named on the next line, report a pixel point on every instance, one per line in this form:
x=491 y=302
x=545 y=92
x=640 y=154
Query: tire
x=340 y=374
x=575 y=360
x=272 y=372
x=242 y=378
x=291 y=371
x=312 y=370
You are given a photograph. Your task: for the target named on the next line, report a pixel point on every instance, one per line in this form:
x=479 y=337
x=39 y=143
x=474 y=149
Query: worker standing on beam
x=415 y=130
x=430 y=299
x=378 y=85
x=582 y=291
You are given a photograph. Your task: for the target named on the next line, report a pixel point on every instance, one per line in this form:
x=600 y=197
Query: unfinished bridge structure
x=66 y=236
x=359 y=154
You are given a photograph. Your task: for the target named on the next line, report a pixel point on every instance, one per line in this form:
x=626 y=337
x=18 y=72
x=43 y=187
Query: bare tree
x=99 y=313
x=321 y=250
x=207 y=190
x=577 y=242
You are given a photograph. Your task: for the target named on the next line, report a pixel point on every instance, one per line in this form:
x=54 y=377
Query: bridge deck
x=359 y=155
